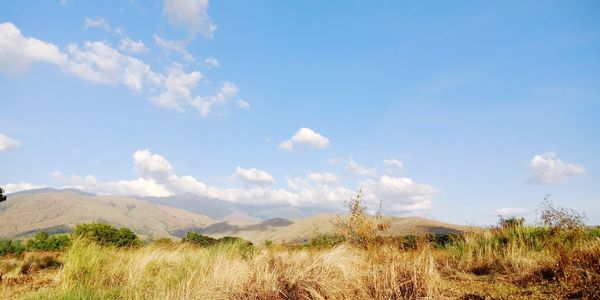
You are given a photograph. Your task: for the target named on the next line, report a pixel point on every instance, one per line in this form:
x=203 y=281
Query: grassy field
x=560 y=260
x=479 y=266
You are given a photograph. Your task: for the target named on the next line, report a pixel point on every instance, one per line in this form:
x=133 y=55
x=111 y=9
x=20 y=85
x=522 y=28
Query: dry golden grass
x=474 y=270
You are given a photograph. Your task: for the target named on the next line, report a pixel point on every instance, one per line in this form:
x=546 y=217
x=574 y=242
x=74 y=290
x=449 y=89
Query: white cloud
x=177 y=46
x=305 y=136
x=399 y=194
x=151 y=166
x=177 y=88
x=211 y=61
x=254 y=176
x=205 y=104
x=101 y=23
x=142 y=187
x=157 y=177
x=393 y=163
x=311 y=193
x=10 y=188
x=510 y=211
x=323 y=178
x=243 y=104
x=357 y=169
x=191 y=15
x=7 y=143
x=17 y=52
x=547 y=169
x=132 y=46
x=98 y=62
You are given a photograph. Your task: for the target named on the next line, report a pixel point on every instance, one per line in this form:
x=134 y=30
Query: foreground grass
x=507 y=264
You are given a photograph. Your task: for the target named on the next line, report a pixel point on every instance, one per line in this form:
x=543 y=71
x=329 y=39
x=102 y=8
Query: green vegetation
x=2 y=196
x=507 y=261
x=107 y=235
x=8 y=247
x=198 y=239
x=45 y=242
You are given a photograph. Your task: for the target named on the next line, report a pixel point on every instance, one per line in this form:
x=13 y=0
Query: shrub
x=107 y=235
x=359 y=227
x=510 y=222
x=234 y=240
x=198 y=239
x=559 y=218
x=43 y=241
x=11 y=247
x=324 y=240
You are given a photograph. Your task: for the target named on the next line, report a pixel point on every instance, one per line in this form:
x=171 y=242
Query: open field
x=511 y=263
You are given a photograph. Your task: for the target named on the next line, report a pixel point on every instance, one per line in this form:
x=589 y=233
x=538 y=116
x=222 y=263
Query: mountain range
x=58 y=211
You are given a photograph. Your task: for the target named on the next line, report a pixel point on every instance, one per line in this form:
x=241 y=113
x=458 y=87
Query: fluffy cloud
x=547 y=169
x=399 y=194
x=17 y=52
x=100 y=63
x=254 y=176
x=10 y=188
x=101 y=23
x=393 y=163
x=211 y=61
x=132 y=46
x=177 y=88
x=7 y=143
x=157 y=177
x=151 y=166
x=205 y=104
x=510 y=211
x=323 y=178
x=357 y=169
x=311 y=193
x=191 y=15
x=305 y=136
x=177 y=46
x=243 y=104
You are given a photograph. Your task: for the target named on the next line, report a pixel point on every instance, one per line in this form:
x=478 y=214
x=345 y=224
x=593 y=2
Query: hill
x=300 y=230
x=59 y=211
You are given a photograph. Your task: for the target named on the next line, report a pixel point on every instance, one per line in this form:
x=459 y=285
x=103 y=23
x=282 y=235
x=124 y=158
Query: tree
x=2 y=196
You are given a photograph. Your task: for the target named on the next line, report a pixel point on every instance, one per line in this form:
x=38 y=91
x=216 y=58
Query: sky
x=454 y=110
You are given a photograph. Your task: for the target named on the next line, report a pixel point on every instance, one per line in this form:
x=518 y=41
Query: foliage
x=2 y=196
x=11 y=247
x=234 y=240
x=510 y=222
x=322 y=240
x=198 y=239
x=107 y=235
x=44 y=241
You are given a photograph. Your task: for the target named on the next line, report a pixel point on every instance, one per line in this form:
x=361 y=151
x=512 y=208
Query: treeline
x=103 y=235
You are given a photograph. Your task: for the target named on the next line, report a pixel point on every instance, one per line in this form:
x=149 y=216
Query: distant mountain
x=58 y=211
x=51 y=190
x=222 y=210
x=301 y=230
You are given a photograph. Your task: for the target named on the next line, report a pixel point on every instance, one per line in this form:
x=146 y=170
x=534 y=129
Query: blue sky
x=458 y=111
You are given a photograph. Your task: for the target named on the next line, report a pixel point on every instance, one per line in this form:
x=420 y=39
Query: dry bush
x=359 y=227
x=36 y=262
